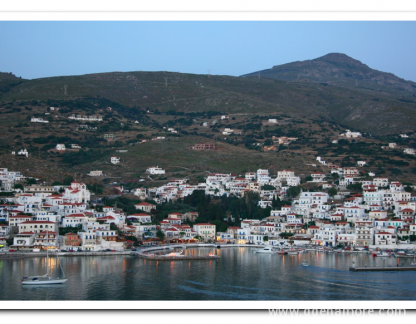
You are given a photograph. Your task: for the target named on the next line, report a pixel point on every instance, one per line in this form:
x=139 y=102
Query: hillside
x=162 y=91
x=153 y=118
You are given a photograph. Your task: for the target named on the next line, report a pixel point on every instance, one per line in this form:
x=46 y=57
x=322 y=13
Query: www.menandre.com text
x=329 y=312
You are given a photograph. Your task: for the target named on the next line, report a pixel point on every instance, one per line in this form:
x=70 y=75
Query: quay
x=20 y=255
x=407 y=268
x=177 y=258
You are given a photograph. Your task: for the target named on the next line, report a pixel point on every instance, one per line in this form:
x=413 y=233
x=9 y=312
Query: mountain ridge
x=356 y=100
x=340 y=70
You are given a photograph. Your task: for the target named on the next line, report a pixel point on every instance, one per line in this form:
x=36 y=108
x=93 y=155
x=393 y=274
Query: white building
x=38 y=120
x=115 y=160
x=205 y=230
x=60 y=147
x=97 y=173
x=385 y=238
x=155 y=170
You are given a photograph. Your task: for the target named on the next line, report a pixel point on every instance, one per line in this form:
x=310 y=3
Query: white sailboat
x=45 y=279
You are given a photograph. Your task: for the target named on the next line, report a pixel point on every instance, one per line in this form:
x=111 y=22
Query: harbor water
x=239 y=274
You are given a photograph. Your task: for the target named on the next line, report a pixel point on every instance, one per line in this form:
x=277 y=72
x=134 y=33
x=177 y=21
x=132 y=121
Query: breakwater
x=407 y=268
x=177 y=258
x=20 y=255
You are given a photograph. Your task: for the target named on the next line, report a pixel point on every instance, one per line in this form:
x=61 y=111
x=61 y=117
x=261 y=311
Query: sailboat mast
x=47 y=255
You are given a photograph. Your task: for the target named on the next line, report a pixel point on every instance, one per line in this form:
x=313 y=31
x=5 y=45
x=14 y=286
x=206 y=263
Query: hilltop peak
x=338 y=58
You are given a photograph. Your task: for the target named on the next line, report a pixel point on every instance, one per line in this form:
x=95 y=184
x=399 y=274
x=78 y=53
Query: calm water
x=240 y=274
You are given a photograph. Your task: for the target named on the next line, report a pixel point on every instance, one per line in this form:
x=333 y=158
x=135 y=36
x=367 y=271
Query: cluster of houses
x=383 y=214
x=34 y=217
x=219 y=184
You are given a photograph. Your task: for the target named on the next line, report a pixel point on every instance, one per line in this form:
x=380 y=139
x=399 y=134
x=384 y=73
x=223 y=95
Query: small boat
x=292 y=252
x=381 y=254
x=305 y=263
x=45 y=279
x=282 y=252
x=266 y=249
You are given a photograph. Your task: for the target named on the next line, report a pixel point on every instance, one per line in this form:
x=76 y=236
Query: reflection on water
x=240 y=274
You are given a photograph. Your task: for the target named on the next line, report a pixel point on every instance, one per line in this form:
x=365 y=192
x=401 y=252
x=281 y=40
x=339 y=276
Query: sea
x=240 y=274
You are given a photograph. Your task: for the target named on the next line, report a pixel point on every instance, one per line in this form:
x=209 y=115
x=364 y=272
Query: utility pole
x=65 y=90
x=209 y=71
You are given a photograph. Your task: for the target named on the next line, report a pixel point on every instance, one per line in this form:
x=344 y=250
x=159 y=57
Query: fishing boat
x=381 y=254
x=266 y=249
x=305 y=263
x=44 y=279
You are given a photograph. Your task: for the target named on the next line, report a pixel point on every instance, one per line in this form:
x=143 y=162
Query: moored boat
x=44 y=279
x=381 y=254
x=266 y=249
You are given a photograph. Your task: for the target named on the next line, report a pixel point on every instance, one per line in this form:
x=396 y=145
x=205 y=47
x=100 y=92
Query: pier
x=407 y=268
x=177 y=258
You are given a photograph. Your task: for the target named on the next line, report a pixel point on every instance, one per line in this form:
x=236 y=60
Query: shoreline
x=21 y=255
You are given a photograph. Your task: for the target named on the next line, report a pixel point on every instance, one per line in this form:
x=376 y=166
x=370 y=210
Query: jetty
x=177 y=258
x=400 y=268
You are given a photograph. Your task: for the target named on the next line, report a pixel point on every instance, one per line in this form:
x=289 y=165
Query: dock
x=407 y=268
x=177 y=258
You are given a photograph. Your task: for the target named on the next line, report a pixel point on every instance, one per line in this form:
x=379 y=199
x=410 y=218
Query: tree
x=220 y=226
x=408 y=189
x=268 y=187
x=332 y=192
x=308 y=178
x=293 y=191
x=285 y=234
x=265 y=238
x=31 y=181
x=275 y=202
x=160 y=235
x=113 y=227
x=67 y=180
x=18 y=186
x=355 y=186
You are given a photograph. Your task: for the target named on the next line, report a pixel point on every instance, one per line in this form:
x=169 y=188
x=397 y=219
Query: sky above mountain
x=36 y=49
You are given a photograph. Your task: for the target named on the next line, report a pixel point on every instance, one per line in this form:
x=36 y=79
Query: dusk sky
x=55 y=48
